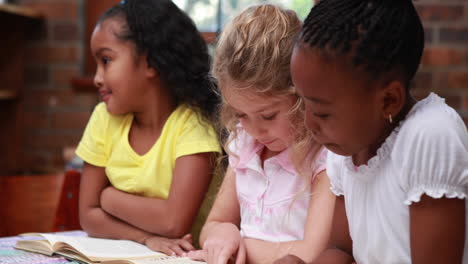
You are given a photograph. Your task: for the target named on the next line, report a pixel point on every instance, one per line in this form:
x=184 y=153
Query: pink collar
x=282 y=158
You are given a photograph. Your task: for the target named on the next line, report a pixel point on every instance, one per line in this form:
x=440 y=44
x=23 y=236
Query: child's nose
x=259 y=130
x=98 y=81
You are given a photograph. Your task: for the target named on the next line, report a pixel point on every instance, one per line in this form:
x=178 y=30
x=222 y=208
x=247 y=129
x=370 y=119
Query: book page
x=39 y=246
x=105 y=249
x=36 y=242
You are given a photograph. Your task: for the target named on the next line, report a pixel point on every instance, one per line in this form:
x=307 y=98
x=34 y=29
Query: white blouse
x=426 y=154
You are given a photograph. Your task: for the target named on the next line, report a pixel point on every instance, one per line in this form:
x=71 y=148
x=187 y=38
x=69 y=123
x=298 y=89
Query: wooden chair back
x=67 y=214
x=28 y=203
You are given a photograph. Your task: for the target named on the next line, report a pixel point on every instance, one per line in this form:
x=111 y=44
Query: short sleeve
x=92 y=147
x=335 y=165
x=197 y=136
x=434 y=156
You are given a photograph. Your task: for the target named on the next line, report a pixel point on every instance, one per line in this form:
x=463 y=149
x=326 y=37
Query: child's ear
x=393 y=99
x=151 y=72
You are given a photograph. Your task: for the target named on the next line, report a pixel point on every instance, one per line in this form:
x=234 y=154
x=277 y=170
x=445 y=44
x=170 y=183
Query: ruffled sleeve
x=433 y=154
x=335 y=167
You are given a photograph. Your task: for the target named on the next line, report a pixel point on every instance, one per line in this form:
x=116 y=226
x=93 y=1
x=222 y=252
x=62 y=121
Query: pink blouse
x=273 y=200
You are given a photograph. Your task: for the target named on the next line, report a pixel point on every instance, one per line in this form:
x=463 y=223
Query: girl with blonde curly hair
x=275 y=198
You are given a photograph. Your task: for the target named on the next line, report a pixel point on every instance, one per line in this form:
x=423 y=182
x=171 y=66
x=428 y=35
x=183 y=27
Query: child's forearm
x=97 y=223
x=171 y=217
x=207 y=228
x=149 y=214
x=260 y=251
x=214 y=228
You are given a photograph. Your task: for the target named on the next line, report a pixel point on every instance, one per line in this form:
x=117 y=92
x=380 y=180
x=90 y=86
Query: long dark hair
x=174 y=48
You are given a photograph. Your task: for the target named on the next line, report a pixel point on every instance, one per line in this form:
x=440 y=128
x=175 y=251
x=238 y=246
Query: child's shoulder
x=188 y=125
x=430 y=153
x=432 y=119
x=432 y=111
x=430 y=129
x=103 y=118
x=101 y=110
x=185 y=115
x=241 y=143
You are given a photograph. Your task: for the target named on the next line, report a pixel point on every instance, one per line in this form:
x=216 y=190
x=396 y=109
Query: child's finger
x=240 y=258
x=197 y=255
x=186 y=245
x=177 y=249
x=188 y=237
x=166 y=250
x=209 y=254
x=223 y=256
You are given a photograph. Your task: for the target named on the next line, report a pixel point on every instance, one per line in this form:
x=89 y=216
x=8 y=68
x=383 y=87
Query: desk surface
x=9 y=255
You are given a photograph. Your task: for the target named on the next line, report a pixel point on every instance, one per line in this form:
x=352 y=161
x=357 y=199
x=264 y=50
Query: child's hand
x=289 y=259
x=224 y=246
x=169 y=246
x=202 y=255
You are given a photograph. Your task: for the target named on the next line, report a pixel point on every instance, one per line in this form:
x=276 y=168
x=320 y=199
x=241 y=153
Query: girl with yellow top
x=148 y=148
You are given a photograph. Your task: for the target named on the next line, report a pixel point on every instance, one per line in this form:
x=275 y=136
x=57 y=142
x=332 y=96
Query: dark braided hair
x=174 y=48
x=381 y=36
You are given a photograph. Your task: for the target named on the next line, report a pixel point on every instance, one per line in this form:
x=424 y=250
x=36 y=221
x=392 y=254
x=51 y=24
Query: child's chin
x=113 y=111
x=276 y=148
x=337 y=149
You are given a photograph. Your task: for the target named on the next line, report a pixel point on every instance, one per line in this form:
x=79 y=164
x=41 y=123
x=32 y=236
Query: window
x=212 y=15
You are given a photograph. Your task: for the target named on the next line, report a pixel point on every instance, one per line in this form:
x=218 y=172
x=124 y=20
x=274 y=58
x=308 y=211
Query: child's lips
x=267 y=142
x=105 y=95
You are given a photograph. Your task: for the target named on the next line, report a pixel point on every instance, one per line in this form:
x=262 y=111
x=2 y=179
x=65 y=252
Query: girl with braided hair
x=149 y=147
x=399 y=167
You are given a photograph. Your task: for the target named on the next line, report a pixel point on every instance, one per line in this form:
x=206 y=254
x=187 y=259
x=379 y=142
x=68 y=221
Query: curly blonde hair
x=253 y=56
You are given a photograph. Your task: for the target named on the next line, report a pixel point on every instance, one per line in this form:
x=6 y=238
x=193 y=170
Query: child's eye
x=239 y=115
x=270 y=117
x=322 y=116
x=105 y=60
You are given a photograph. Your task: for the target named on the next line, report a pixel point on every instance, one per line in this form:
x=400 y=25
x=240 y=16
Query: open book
x=96 y=250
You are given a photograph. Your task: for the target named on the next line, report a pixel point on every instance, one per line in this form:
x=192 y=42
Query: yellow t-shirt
x=105 y=144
